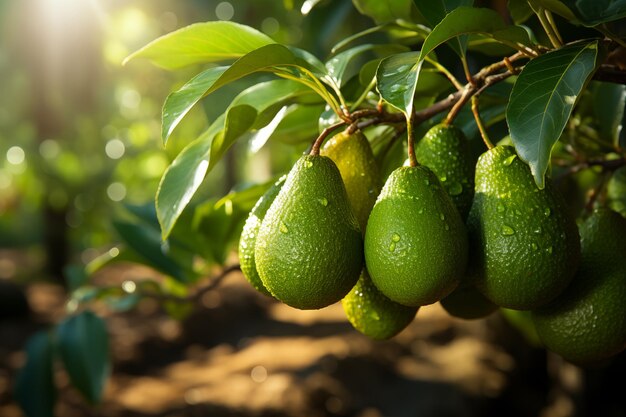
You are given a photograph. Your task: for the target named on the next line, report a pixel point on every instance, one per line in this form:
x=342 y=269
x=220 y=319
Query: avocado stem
x=410 y=141
x=479 y=123
x=317 y=144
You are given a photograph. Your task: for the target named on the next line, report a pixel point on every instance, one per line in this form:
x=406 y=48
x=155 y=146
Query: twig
x=197 y=295
x=315 y=148
x=479 y=123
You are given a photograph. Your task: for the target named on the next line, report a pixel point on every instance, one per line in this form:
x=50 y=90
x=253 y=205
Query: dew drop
x=538 y=230
x=507 y=230
x=323 y=201
x=308 y=164
x=442 y=216
x=426 y=181
x=455 y=188
x=443 y=178
x=395 y=237
x=420 y=211
x=547 y=212
x=392 y=246
x=517 y=212
x=500 y=208
x=283 y=228
x=549 y=249
x=374 y=316
x=447 y=227
x=508 y=161
x=534 y=246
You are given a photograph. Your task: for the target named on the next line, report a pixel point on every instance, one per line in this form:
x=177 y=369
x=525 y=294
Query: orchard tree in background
x=391 y=208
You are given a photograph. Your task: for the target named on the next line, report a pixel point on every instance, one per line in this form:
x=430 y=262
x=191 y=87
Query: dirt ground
x=241 y=354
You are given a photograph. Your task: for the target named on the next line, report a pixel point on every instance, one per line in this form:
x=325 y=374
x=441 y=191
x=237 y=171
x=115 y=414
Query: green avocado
x=415 y=242
x=353 y=155
x=247 y=242
x=525 y=249
x=445 y=150
x=466 y=302
x=587 y=322
x=309 y=249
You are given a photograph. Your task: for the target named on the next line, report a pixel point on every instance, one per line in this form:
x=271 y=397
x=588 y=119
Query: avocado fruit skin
x=372 y=313
x=467 y=303
x=368 y=310
x=415 y=242
x=587 y=322
x=525 y=249
x=616 y=191
x=247 y=242
x=309 y=250
x=445 y=150
x=353 y=155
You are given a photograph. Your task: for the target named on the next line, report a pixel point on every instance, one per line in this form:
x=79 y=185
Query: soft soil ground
x=241 y=354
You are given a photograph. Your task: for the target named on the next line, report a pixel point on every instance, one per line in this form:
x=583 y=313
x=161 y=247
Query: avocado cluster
x=475 y=236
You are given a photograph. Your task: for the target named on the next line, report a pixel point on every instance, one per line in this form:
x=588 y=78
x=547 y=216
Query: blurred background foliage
x=79 y=132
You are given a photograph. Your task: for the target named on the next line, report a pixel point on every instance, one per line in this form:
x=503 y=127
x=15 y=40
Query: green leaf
x=595 y=12
x=180 y=102
x=474 y=20
x=75 y=276
x=436 y=10
x=383 y=11
x=83 y=344
x=202 y=43
x=542 y=100
x=146 y=242
x=556 y=6
x=419 y=30
x=520 y=11
x=396 y=80
x=300 y=124
x=608 y=109
x=34 y=385
x=183 y=177
x=337 y=65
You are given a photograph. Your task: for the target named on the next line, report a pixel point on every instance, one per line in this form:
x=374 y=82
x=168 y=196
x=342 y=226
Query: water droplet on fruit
x=549 y=249
x=374 y=316
x=500 y=208
x=323 y=201
x=442 y=216
x=443 y=178
x=534 y=246
x=283 y=228
x=420 y=211
x=455 y=188
x=392 y=246
x=426 y=181
x=507 y=230
x=538 y=230
x=447 y=227
x=508 y=161
x=308 y=164
x=395 y=237
x=547 y=212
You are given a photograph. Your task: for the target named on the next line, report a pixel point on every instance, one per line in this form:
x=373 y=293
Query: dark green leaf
x=83 y=344
x=396 y=79
x=383 y=11
x=202 y=43
x=474 y=20
x=608 y=109
x=146 y=242
x=34 y=385
x=180 y=102
x=595 y=12
x=520 y=11
x=435 y=10
x=542 y=101
x=556 y=6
